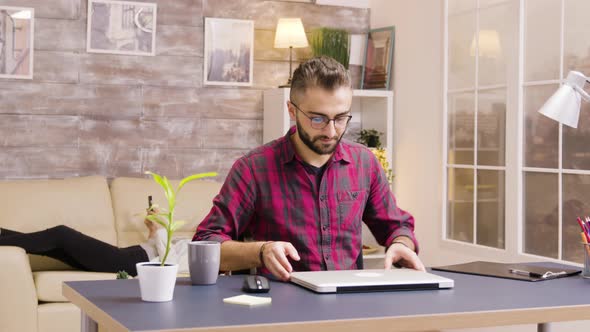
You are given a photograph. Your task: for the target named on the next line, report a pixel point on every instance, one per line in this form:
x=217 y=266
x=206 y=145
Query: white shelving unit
x=371 y=109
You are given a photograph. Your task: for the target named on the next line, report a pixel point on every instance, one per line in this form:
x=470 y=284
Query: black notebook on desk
x=518 y=271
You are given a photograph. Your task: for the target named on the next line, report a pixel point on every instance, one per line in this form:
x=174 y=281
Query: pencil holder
x=586 y=271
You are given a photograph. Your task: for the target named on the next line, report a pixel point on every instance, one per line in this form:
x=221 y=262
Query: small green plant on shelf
x=370 y=138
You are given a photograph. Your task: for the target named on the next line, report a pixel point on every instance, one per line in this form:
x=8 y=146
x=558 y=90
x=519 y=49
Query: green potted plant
x=330 y=42
x=370 y=138
x=157 y=280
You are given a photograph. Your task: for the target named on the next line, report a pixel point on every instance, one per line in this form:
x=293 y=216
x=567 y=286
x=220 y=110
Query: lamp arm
x=583 y=93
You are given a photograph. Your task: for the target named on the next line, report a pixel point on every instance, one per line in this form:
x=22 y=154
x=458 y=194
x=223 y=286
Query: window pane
x=461 y=59
x=497 y=37
x=542 y=39
x=487 y=3
x=576 y=153
x=540 y=133
x=490 y=208
x=461 y=131
x=491 y=127
x=576 y=190
x=540 y=214
x=576 y=36
x=456 y=6
x=460 y=205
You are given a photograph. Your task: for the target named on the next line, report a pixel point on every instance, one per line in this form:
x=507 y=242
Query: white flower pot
x=156 y=283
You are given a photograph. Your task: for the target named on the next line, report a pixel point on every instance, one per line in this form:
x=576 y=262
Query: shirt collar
x=342 y=152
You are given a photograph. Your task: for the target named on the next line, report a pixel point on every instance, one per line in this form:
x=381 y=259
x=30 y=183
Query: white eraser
x=248 y=300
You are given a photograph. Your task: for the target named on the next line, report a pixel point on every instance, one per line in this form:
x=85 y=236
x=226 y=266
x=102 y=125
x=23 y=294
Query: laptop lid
x=379 y=280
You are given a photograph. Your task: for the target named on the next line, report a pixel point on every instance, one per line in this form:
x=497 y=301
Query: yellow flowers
x=371 y=139
x=382 y=157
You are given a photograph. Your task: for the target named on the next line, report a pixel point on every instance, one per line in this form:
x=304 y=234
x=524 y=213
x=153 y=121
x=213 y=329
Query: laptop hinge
x=386 y=288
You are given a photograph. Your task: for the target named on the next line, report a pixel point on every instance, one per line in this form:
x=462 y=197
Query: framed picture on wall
x=121 y=27
x=229 y=52
x=378 y=63
x=17 y=25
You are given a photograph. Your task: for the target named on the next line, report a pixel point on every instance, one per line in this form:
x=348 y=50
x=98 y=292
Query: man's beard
x=315 y=144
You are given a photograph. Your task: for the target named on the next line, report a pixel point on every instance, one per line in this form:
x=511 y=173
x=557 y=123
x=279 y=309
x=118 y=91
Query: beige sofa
x=30 y=286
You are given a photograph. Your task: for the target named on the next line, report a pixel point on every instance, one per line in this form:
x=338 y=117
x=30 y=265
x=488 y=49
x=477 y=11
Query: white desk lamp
x=564 y=105
x=290 y=34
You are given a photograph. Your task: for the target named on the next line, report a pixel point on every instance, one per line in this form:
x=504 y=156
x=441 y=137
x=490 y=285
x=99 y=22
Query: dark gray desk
x=474 y=302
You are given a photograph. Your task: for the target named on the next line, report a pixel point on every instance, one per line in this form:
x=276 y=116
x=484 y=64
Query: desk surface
x=476 y=301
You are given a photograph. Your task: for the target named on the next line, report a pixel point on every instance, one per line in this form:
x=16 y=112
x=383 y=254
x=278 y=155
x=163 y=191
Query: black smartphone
x=150 y=202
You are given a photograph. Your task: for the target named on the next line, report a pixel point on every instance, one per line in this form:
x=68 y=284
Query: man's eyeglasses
x=322 y=121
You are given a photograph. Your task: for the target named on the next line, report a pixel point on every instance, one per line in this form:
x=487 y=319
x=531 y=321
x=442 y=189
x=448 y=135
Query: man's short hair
x=323 y=72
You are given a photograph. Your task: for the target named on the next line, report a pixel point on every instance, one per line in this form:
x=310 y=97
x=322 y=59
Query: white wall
x=418 y=107
x=417 y=81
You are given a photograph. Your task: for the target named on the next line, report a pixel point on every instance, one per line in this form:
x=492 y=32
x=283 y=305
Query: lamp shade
x=290 y=33
x=564 y=105
x=489 y=44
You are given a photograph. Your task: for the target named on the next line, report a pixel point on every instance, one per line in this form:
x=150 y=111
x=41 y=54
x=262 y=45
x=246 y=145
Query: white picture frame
x=17 y=42
x=229 y=52
x=121 y=27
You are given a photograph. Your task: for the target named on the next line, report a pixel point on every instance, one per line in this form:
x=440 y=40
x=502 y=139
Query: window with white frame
x=504 y=59
x=479 y=42
x=556 y=158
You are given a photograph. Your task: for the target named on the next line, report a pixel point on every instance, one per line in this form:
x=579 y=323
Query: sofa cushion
x=63 y=317
x=129 y=197
x=82 y=203
x=18 y=298
x=49 y=283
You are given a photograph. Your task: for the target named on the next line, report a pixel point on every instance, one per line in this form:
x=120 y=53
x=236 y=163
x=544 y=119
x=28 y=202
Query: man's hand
x=274 y=258
x=404 y=256
x=151 y=226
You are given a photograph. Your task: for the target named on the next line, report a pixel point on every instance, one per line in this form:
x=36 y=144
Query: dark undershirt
x=318 y=172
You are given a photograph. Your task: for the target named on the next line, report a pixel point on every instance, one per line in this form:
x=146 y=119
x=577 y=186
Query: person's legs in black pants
x=73 y=247
x=58 y=253
x=5 y=232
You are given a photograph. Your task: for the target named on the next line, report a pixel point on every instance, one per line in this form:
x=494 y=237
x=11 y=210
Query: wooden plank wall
x=118 y=115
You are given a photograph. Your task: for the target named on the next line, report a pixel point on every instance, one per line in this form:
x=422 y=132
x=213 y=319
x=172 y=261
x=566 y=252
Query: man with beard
x=301 y=199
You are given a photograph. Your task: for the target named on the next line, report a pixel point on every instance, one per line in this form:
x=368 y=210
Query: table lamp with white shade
x=564 y=105
x=290 y=34
x=489 y=45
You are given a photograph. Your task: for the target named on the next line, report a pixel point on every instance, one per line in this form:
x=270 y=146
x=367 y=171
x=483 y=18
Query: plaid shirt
x=269 y=195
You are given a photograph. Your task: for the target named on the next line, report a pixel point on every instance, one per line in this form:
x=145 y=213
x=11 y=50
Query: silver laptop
x=351 y=281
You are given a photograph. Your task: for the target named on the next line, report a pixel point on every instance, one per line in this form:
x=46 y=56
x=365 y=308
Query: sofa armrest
x=18 y=303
